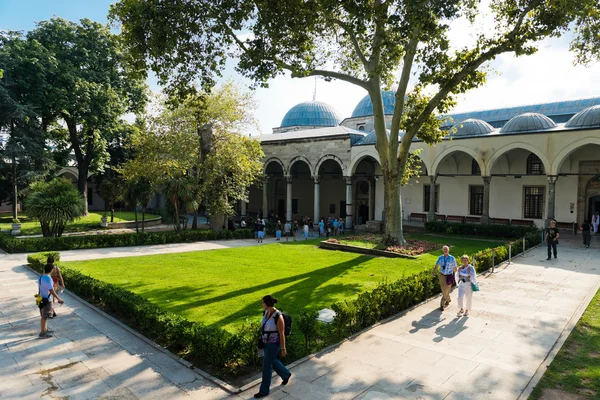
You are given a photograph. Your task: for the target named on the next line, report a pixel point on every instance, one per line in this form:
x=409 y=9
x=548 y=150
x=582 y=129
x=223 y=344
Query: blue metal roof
x=472 y=127
x=528 y=122
x=588 y=118
x=311 y=113
x=559 y=112
x=364 y=108
x=371 y=138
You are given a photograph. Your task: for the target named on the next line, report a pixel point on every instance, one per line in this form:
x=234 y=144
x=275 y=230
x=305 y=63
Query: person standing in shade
x=465 y=278
x=341 y=226
x=261 y=230
x=46 y=289
x=595 y=222
x=444 y=268
x=552 y=239
x=287 y=228
x=273 y=337
x=322 y=227
x=586 y=231
x=256 y=225
x=278 y=230
x=295 y=229
x=305 y=229
x=335 y=225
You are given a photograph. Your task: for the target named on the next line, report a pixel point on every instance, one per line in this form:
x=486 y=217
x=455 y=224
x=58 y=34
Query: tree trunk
x=143 y=218
x=393 y=209
x=15 y=189
x=137 y=230
x=112 y=213
x=195 y=220
x=82 y=185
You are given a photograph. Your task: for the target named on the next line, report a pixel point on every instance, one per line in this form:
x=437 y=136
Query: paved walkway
x=518 y=316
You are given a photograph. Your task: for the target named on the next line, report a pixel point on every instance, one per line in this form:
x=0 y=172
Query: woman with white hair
x=465 y=277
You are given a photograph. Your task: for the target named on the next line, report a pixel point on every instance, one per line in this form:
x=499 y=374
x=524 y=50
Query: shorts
x=261 y=234
x=47 y=311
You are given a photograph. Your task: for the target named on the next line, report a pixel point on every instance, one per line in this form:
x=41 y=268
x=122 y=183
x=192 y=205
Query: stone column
x=348 y=224
x=265 y=205
x=431 y=213
x=551 y=198
x=243 y=208
x=485 y=216
x=288 y=199
x=317 y=207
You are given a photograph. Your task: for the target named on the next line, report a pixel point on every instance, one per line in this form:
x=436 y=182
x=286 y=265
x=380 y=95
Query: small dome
x=312 y=113
x=528 y=122
x=364 y=108
x=472 y=127
x=371 y=137
x=588 y=118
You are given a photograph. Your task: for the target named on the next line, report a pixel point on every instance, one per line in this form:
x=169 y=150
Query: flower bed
x=372 y=241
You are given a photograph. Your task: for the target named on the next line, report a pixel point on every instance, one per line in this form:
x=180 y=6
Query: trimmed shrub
x=13 y=245
x=37 y=261
x=491 y=230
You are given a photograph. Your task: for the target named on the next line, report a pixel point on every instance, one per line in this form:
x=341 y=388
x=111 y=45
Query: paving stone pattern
x=425 y=354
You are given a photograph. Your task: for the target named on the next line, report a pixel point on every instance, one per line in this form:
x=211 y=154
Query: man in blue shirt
x=444 y=268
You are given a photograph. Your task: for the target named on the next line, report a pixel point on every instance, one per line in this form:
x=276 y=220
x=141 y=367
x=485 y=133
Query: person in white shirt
x=305 y=229
x=46 y=289
x=445 y=268
x=595 y=222
x=465 y=277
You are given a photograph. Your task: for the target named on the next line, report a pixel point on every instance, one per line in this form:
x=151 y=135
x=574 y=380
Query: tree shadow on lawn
x=292 y=299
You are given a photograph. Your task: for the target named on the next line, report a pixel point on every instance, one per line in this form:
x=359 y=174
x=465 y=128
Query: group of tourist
x=304 y=226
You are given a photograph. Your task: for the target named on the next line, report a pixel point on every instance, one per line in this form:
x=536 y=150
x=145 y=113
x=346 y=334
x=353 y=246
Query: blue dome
x=588 y=118
x=371 y=137
x=472 y=127
x=528 y=122
x=364 y=108
x=312 y=113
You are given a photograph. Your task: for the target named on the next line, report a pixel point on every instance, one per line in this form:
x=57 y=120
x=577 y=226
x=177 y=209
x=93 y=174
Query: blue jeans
x=271 y=362
x=278 y=234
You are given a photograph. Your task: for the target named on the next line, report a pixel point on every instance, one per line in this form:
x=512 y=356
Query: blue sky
x=546 y=76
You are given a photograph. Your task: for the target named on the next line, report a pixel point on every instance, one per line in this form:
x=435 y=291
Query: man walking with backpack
x=273 y=331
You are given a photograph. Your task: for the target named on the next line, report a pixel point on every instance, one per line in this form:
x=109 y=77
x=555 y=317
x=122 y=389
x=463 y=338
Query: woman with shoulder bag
x=273 y=338
x=466 y=279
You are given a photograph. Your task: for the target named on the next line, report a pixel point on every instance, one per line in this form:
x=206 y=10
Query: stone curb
x=564 y=335
x=329 y=348
x=224 y=385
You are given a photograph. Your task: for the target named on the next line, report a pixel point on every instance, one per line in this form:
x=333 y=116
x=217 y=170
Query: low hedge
x=13 y=245
x=223 y=352
x=488 y=230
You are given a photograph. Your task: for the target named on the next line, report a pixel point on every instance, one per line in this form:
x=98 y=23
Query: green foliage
x=307 y=323
x=37 y=261
x=54 y=204
x=485 y=230
x=111 y=191
x=12 y=245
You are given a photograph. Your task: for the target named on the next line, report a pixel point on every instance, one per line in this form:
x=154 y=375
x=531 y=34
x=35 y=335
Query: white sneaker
x=458 y=314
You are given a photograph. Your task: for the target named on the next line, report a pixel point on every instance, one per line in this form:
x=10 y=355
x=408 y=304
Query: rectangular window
x=533 y=206
x=294 y=206
x=426 y=192
x=90 y=196
x=342 y=209
x=476 y=200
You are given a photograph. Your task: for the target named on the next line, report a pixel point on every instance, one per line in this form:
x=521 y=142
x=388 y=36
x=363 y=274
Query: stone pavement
x=518 y=316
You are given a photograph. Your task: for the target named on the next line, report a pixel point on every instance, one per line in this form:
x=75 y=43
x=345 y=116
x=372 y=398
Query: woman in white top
x=465 y=276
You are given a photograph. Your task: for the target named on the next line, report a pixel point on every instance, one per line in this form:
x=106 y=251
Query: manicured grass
x=224 y=287
x=89 y=222
x=576 y=368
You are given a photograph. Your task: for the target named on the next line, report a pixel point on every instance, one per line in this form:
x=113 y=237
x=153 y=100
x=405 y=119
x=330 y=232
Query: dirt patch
x=557 y=394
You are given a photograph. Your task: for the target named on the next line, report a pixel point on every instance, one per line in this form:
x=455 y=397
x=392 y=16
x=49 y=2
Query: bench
x=455 y=218
x=473 y=219
x=568 y=226
x=502 y=221
x=522 y=222
x=419 y=216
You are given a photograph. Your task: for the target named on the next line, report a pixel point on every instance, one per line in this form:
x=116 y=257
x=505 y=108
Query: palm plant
x=182 y=195
x=54 y=204
x=145 y=192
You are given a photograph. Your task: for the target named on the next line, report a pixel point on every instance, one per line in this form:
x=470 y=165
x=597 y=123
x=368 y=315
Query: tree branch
x=327 y=74
x=355 y=44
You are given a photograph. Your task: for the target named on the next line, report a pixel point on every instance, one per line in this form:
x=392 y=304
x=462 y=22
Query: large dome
x=528 y=122
x=472 y=127
x=312 y=113
x=364 y=108
x=588 y=118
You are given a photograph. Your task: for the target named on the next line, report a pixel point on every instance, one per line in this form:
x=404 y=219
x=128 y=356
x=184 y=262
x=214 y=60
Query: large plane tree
x=368 y=43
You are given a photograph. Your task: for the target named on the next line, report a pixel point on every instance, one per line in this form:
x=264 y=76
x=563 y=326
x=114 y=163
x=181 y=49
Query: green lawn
x=89 y=222
x=224 y=287
x=576 y=368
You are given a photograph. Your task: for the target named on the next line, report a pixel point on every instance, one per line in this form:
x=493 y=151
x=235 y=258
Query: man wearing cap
x=445 y=267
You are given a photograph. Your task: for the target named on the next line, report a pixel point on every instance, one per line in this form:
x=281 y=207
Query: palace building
x=520 y=165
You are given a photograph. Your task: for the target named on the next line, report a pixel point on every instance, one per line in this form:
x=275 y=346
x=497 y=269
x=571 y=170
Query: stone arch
x=334 y=158
x=452 y=149
x=566 y=152
x=278 y=161
x=69 y=171
x=300 y=158
x=514 y=146
x=364 y=154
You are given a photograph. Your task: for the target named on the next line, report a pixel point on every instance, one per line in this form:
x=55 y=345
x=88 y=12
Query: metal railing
x=510 y=255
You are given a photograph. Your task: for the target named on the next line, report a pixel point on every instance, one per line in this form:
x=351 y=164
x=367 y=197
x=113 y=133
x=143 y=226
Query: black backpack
x=287 y=319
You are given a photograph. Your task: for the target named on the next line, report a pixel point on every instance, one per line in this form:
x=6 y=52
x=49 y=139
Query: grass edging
x=224 y=385
x=362 y=250
x=564 y=335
